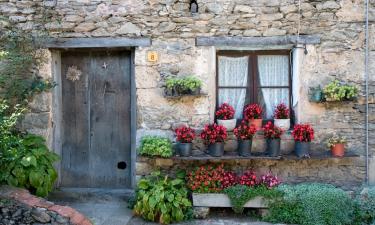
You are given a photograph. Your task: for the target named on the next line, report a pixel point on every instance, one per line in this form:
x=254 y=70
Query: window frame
x=253 y=85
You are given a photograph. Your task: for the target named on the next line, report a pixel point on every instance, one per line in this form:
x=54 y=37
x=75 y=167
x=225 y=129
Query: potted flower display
x=337 y=145
x=244 y=133
x=185 y=136
x=225 y=116
x=281 y=116
x=272 y=135
x=214 y=136
x=253 y=114
x=303 y=134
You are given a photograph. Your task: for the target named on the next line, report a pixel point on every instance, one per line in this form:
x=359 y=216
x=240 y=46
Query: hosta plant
x=162 y=199
x=156 y=146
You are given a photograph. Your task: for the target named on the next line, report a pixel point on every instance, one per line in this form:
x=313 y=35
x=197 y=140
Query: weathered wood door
x=96 y=119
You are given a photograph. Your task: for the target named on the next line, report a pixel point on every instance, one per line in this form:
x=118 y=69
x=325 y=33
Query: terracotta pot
x=257 y=123
x=228 y=124
x=338 y=150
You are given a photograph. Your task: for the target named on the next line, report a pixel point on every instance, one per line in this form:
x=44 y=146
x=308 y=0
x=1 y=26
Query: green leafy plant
x=311 y=204
x=156 y=146
x=181 y=86
x=25 y=160
x=335 y=91
x=336 y=139
x=365 y=207
x=240 y=194
x=162 y=199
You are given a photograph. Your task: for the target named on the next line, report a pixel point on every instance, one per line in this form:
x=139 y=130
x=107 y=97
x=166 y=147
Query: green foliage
x=25 y=160
x=365 y=207
x=240 y=194
x=185 y=85
x=162 y=199
x=156 y=146
x=312 y=204
x=335 y=91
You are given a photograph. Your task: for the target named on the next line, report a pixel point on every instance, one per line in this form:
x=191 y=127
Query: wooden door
x=96 y=119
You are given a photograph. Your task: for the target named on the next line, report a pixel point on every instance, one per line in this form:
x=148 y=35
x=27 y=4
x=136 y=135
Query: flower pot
x=257 y=123
x=273 y=147
x=185 y=149
x=244 y=147
x=282 y=123
x=302 y=149
x=316 y=96
x=228 y=124
x=216 y=149
x=338 y=149
x=196 y=91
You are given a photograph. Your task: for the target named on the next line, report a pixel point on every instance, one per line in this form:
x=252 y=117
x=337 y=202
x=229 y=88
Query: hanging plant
x=73 y=73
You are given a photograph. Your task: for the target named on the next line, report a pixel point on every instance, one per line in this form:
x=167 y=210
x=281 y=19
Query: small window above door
x=261 y=77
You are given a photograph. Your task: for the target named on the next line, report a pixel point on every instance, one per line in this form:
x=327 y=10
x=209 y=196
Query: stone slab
x=222 y=200
x=59 y=43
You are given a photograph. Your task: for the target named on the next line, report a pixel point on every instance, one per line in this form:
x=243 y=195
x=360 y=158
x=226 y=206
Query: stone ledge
x=23 y=196
x=222 y=200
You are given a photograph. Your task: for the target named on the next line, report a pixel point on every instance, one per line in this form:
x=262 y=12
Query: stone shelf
x=184 y=96
x=262 y=156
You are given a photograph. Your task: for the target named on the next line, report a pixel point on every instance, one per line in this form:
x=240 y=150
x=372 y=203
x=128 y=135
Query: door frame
x=57 y=108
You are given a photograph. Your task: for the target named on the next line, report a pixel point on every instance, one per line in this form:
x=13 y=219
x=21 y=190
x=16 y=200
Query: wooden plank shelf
x=262 y=156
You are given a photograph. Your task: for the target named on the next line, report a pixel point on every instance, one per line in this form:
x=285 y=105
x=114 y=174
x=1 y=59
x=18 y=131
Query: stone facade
x=173 y=29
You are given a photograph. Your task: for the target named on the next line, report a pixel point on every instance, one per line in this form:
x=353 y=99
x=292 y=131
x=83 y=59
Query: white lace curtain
x=233 y=72
x=273 y=71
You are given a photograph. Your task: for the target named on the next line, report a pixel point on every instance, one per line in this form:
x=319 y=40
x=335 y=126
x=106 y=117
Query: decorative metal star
x=104 y=65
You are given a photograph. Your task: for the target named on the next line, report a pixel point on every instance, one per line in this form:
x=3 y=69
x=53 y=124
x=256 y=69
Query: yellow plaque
x=152 y=56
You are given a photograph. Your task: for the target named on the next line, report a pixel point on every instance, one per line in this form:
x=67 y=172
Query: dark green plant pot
x=273 y=147
x=196 y=91
x=185 y=149
x=244 y=147
x=316 y=96
x=216 y=149
x=302 y=149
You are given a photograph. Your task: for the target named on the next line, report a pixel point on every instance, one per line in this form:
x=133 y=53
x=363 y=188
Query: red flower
x=269 y=180
x=248 y=178
x=281 y=112
x=252 y=111
x=213 y=133
x=244 y=131
x=225 y=112
x=303 y=133
x=185 y=134
x=271 y=131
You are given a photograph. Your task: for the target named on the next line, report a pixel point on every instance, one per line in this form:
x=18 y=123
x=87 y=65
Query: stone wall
x=339 y=23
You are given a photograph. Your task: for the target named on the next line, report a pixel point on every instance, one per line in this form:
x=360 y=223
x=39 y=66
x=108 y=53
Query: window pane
x=273 y=70
x=269 y=98
x=234 y=97
x=233 y=71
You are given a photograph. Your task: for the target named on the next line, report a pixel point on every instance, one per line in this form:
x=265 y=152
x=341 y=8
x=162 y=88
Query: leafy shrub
x=365 y=210
x=240 y=194
x=185 y=85
x=162 y=199
x=311 y=204
x=156 y=146
x=335 y=91
x=25 y=160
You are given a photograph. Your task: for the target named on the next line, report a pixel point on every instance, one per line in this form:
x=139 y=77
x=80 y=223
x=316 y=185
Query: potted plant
x=213 y=136
x=281 y=116
x=303 y=134
x=253 y=114
x=244 y=133
x=225 y=116
x=185 y=136
x=191 y=85
x=315 y=94
x=272 y=135
x=335 y=91
x=337 y=145
x=171 y=87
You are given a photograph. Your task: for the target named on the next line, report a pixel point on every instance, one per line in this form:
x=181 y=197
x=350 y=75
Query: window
x=261 y=77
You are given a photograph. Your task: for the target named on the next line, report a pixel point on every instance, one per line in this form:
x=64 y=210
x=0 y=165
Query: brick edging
x=24 y=196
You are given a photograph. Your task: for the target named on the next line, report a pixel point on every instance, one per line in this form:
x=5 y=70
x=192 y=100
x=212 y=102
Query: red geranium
x=213 y=133
x=244 y=131
x=185 y=134
x=271 y=131
x=252 y=111
x=248 y=178
x=281 y=112
x=303 y=133
x=225 y=112
x=206 y=179
x=229 y=179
